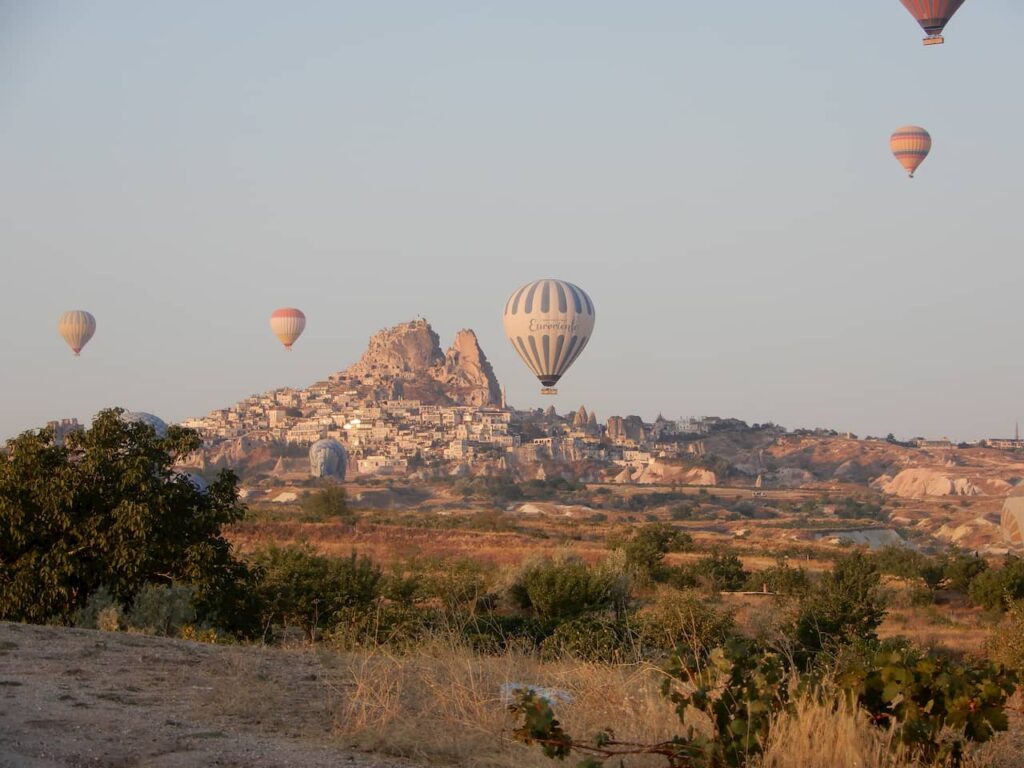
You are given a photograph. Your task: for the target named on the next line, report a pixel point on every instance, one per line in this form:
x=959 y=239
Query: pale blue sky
x=715 y=174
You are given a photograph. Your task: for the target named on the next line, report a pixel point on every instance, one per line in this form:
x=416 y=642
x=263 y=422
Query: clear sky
x=715 y=174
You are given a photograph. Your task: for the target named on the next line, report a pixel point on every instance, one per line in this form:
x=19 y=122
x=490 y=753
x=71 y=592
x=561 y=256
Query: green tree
x=847 y=604
x=107 y=509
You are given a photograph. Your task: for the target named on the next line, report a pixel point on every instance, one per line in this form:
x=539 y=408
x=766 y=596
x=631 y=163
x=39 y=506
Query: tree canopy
x=106 y=508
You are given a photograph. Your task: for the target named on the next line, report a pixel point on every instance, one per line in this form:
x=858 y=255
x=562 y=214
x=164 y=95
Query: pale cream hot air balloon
x=549 y=322
x=287 y=323
x=77 y=327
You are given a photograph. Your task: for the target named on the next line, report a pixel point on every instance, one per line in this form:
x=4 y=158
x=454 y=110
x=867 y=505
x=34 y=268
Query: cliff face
x=466 y=374
x=407 y=361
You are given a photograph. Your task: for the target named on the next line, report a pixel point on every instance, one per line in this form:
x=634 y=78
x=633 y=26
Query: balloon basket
x=937 y=40
x=549 y=391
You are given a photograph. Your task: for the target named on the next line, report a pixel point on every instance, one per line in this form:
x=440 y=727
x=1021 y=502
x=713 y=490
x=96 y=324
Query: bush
x=1006 y=645
x=934 y=707
x=995 y=588
x=682 y=622
x=300 y=588
x=87 y=617
x=852 y=509
x=902 y=562
x=846 y=605
x=961 y=569
x=588 y=638
x=781 y=580
x=645 y=549
x=566 y=588
x=721 y=571
x=163 y=610
x=328 y=503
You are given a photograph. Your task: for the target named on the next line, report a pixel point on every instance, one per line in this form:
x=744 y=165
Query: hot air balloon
x=910 y=144
x=549 y=322
x=287 y=323
x=932 y=15
x=77 y=327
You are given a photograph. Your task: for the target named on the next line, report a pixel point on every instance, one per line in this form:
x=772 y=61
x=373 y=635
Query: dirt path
x=79 y=698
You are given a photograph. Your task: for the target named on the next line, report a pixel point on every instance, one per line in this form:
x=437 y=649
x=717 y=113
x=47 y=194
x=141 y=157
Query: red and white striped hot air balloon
x=287 y=324
x=911 y=145
x=77 y=327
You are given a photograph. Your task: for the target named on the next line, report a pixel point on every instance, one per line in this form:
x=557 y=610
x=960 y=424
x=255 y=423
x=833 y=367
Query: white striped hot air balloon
x=911 y=145
x=549 y=322
x=77 y=327
x=287 y=324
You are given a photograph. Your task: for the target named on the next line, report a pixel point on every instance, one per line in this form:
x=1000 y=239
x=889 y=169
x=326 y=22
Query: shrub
x=934 y=707
x=994 y=588
x=1006 y=645
x=87 y=617
x=458 y=583
x=780 y=579
x=588 y=638
x=163 y=609
x=721 y=570
x=903 y=562
x=846 y=604
x=961 y=569
x=298 y=587
x=566 y=588
x=331 y=502
x=645 y=549
x=682 y=622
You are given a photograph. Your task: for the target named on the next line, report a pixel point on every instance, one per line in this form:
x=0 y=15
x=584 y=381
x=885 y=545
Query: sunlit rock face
x=327 y=458
x=406 y=361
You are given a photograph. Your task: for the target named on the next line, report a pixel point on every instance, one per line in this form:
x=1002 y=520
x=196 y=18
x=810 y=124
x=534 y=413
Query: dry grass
x=444 y=705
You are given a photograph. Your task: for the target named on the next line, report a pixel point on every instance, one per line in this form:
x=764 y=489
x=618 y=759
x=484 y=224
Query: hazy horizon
x=718 y=180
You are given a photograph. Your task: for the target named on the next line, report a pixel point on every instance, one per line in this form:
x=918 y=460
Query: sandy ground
x=77 y=698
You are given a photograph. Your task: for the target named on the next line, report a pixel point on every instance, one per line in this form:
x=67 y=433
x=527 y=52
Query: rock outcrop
x=407 y=361
x=466 y=374
x=919 y=482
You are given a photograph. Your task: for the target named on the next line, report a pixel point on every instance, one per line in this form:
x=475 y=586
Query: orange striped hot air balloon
x=910 y=144
x=287 y=324
x=932 y=15
x=77 y=327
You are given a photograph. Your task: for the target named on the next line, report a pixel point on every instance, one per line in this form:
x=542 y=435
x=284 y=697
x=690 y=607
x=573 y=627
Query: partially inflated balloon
x=549 y=322
x=77 y=327
x=932 y=15
x=911 y=145
x=287 y=323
